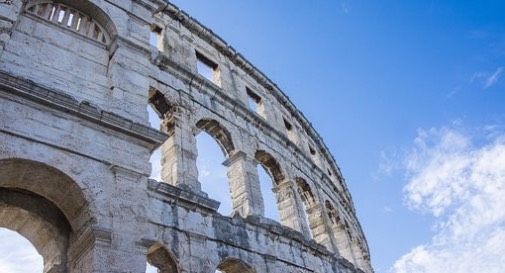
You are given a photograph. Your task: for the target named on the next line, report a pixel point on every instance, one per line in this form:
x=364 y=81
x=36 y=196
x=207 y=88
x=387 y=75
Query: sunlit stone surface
x=89 y=90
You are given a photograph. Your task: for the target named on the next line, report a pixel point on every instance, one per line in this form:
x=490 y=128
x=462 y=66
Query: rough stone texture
x=75 y=141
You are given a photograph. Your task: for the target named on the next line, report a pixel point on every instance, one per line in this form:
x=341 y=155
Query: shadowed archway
x=45 y=206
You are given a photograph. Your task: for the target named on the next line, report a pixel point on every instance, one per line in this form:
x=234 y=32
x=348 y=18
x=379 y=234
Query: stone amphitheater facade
x=76 y=78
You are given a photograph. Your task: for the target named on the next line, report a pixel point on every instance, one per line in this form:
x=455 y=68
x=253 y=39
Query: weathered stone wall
x=76 y=78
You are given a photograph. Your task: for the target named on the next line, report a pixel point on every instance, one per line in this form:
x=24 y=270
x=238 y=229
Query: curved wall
x=76 y=79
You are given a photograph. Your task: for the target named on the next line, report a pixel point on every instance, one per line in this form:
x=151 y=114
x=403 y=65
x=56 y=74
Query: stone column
x=244 y=185
x=317 y=222
x=290 y=207
x=179 y=152
x=128 y=210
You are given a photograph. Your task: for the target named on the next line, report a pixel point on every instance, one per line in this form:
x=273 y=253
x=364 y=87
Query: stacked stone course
x=76 y=78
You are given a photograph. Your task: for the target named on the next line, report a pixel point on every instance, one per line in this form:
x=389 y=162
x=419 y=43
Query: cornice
x=57 y=100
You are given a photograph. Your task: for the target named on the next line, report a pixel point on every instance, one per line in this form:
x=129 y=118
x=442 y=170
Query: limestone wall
x=76 y=79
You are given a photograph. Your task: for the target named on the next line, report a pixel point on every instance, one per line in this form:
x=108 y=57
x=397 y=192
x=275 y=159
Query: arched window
x=270 y=176
x=214 y=145
x=70 y=18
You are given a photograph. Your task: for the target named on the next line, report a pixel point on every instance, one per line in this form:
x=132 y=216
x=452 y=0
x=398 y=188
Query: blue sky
x=409 y=96
x=382 y=82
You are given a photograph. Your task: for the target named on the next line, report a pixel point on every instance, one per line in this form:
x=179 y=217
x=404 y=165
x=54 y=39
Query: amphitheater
x=76 y=80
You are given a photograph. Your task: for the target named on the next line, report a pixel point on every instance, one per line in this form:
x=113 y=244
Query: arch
x=234 y=265
x=49 y=183
x=40 y=222
x=271 y=165
x=159 y=257
x=45 y=206
x=82 y=17
x=305 y=192
x=219 y=133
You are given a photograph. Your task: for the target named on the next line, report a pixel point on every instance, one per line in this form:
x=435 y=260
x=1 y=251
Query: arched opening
x=340 y=234
x=39 y=221
x=80 y=17
x=232 y=265
x=214 y=145
x=219 y=133
x=43 y=205
x=308 y=200
x=270 y=176
x=267 y=191
x=17 y=254
x=159 y=260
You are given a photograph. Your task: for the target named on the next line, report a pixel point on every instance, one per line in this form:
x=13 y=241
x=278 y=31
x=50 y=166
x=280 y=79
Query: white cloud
x=493 y=78
x=344 y=6
x=463 y=185
x=17 y=255
x=488 y=79
x=387 y=209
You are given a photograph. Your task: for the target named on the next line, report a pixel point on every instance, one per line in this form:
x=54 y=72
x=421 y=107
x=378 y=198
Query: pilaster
x=179 y=152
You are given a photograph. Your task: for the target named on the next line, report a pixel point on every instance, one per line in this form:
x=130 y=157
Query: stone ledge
x=57 y=100
x=273 y=227
x=278 y=229
x=180 y=194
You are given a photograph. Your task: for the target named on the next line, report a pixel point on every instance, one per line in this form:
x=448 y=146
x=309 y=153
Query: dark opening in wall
x=207 y=68
x=288 y=125
x=311 y=150
x=159 y=103
x=253 y=100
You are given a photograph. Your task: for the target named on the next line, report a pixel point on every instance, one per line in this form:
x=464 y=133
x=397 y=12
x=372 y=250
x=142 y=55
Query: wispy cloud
x=493 y=79
x=387 y=209
x=488 y=79
x=344 y=6
x=462 y=184
x=390 y=161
